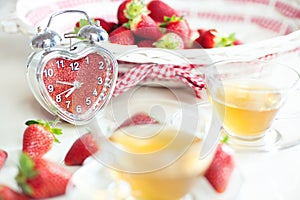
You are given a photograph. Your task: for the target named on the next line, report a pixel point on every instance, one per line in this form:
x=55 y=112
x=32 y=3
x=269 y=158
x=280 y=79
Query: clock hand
x=68 y=90
x=66 y=83
x=76 y=86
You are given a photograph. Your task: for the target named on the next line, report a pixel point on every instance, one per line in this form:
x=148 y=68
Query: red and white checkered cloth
x=144 y=72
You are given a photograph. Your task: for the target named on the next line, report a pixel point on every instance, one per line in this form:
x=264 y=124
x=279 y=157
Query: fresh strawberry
x=159 y=10
x=145 y=27
x=122 y=35
x=179 y=26
x=212 y=38
x=106 y=25
x=129 y=9
x=82 y=148
x=145 y=43
x=219 y=172
x=169 y=41
x=7 y=193
x=41 y=178
x=3 y=157
x=138 y=119
x=38 y=137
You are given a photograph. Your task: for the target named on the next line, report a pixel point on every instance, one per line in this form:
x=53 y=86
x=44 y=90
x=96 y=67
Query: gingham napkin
x=144 y=72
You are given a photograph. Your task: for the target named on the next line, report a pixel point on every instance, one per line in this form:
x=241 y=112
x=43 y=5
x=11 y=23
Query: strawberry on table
x=138 y=119
x=145 y=27
x=130 y=9
x=219 y=172
x=40 y=178
x=159 y=10
x=7 y=193
x=38 y=137
x=3 y=157
x=82 y=148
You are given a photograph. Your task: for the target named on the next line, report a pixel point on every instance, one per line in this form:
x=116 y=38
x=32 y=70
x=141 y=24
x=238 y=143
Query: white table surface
x=271 y=176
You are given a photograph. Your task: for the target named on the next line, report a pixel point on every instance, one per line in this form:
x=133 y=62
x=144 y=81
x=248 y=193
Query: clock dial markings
x=79 y=86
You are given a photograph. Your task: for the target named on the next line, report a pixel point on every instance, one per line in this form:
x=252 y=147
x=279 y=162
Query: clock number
x=100 y=80
x=87 y=60
x=58 y=98
x=50 y=88
x=60 y=64
x=95 y=93
x=74 y=66
x=68 y=104
x=78 y=109
x=101 y=65
x=49 y=72
x=88 y=101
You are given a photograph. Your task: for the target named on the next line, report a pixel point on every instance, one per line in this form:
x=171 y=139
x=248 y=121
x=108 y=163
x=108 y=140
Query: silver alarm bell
x=93 y=33
x=45 y=39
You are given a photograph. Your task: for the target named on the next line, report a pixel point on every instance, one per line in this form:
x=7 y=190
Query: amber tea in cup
x=179 y=151
x=247 y=94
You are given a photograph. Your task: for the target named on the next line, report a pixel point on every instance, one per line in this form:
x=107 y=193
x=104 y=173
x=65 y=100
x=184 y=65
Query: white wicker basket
x=268 y=28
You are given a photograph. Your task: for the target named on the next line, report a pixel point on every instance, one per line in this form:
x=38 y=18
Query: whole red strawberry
x=179 y=26
x=122 y=35
x=7 y=193
x=219 y=172
x=82 y=148
x=145 y=43
x=145 y=27
x=3 y=157
x=106 y=25
x=206 y=38
x=211 y=38
x=38 y=137
x=129 y=9
x=40 y=178
x=159 y=10
x=138 y=119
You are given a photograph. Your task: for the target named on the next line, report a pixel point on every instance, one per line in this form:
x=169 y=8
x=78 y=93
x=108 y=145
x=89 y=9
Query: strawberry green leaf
x=225 y=41
x=135 y=8
x=225 y=139
x=82 y=23
x=29 y=122
x=26 y=171
x=47 y=125
x=27 y=166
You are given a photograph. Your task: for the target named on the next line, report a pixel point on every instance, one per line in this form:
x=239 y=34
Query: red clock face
x=78 y=86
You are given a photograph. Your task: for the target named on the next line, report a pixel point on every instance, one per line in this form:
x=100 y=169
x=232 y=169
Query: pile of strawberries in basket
x=157 y=24
x=40 y=178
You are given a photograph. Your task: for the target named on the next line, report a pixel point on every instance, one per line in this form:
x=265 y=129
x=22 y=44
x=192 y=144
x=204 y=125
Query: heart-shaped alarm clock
x=72 y=81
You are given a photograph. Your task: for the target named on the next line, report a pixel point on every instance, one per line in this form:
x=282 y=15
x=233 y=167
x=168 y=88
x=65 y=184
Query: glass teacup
x=158 y=161
x=247 y=95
